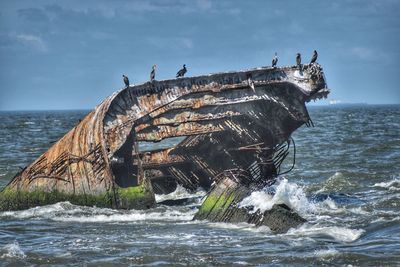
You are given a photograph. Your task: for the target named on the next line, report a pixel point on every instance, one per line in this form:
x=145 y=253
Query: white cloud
x=235 y=11
x=296 y=28
x=171 y=42
x=204 y=4
x=363 y=52
x=187 y=43
x=32 y=41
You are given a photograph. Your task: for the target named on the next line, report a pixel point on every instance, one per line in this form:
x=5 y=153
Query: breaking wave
x=393 y=184
x=338 y=182
x=308 y=230
x=12 y=250
x=340 y=234
x=317 y=213
x=322 y=253
x=284 y=192
x=180 y=193
x=67 y=212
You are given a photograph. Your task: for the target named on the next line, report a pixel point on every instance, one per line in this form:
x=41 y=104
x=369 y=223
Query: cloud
x=363 y=53
x=187 y=43
x=367 y=54
x=32 y=41
x=170 y=6
x=33 y=14
x=235 y=11
x=296 y=28
x=204 y=4
x=171 y=42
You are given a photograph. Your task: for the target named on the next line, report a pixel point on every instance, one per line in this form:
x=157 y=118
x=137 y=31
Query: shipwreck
x=234 y=127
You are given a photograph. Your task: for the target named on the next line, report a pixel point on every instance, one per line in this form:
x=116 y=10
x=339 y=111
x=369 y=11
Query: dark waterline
x=346 y=183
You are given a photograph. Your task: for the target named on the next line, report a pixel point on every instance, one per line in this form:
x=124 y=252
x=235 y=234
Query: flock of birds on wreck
x=183 y=71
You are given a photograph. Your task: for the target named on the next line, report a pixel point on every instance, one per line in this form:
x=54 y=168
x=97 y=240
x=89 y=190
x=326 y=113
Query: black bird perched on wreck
x=181 y=72
x=126 y=81
x=314 y=57
x=275 y=60
x=153 y=73
x=298 y=60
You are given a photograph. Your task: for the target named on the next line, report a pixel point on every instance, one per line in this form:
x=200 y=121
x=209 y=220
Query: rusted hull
x=228 y=120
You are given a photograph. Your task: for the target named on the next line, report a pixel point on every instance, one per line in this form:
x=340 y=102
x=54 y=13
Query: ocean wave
x=240 y=226
x=12 y=250
x=338 y=182
x=291 y=194
x=323 y=253
x=180 y=193
x=341 y=234
x=131 y=216
x=285 y=192
x=67 y=212
x=392 y=184
x=313 y=231
x=40 y=211
x=386 y=219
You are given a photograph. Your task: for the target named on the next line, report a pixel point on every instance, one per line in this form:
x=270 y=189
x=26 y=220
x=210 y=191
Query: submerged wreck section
x=223 y=204
x=233 y=120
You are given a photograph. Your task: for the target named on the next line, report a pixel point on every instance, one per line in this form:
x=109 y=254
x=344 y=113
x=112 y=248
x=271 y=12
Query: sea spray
x=12 y=250
x=285 y=192
x=180 y=193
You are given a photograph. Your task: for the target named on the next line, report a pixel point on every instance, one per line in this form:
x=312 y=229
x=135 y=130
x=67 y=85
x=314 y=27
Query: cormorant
x=181 y=72
x=126 y=80
x=275 y=60
x=153 y=73
x=314 y=57
x=298 y=60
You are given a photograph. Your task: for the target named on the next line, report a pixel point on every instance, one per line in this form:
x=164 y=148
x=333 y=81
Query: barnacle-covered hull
x=233 y=120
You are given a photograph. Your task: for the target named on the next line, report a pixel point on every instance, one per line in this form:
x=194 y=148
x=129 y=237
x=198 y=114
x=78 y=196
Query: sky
x=72 y=54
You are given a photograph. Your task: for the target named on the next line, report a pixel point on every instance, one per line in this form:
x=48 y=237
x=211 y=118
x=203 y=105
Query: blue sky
x=71 y=54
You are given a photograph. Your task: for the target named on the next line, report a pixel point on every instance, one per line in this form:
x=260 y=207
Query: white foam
x=340 y=234
x=131 y=216
x=241 y=263
x=233 y=226
x=328 y=206
x=42 y=211
x=13 y=251
x=359 y=210
x=392 y=184
x=180 y=193
x=240 y=226
x=67 y=212
x=326 y=252
x=287 y=193
x=382 y=219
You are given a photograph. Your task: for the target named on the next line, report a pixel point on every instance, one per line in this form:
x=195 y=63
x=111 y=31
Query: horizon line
x=310 y=104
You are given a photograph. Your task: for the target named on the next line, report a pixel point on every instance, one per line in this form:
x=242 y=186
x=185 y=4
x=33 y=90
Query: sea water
x=346 y=183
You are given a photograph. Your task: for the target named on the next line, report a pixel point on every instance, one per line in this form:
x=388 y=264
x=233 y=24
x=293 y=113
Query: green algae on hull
x=138 y=197
x=223 y=205
x=215 y=204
